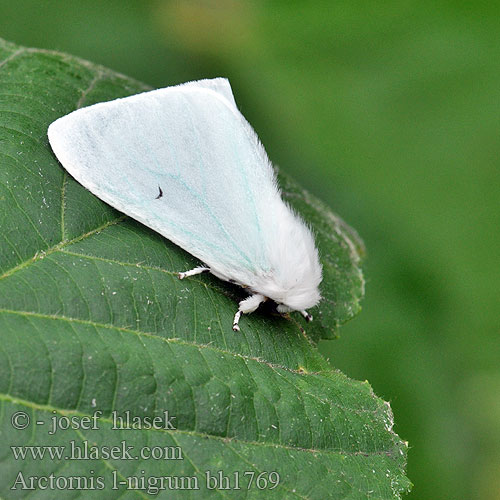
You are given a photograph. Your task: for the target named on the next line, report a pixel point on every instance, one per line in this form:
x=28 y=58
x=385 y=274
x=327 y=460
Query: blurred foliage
x=389 y=111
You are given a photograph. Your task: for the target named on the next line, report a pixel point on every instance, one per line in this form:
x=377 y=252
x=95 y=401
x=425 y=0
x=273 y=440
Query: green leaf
x=93 y=318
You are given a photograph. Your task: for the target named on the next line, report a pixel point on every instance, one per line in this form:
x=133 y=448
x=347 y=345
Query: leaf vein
x=359 y=453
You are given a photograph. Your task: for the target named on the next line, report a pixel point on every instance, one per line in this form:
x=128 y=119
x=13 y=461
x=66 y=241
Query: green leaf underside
x=93 y=317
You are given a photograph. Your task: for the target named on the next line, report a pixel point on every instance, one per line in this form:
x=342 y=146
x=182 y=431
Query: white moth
x=184 y=161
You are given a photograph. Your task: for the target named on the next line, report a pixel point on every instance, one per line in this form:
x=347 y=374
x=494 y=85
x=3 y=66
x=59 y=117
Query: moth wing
x=191 y=142
x=219 y=85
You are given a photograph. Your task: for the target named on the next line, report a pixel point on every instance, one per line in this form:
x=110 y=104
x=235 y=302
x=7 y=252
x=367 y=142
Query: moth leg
x=306 y=315
x=249 y=305
x=196 y=270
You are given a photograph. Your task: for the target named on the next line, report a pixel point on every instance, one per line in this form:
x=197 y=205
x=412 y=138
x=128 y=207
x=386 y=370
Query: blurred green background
x=390 y=112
